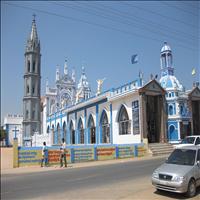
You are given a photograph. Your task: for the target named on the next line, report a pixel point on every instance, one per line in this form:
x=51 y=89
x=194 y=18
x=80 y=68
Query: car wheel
x=158 y=190
x=191 y=188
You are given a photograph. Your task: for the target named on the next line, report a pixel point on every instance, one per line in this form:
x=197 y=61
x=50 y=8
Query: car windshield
x=182 y=157
x=189 y=140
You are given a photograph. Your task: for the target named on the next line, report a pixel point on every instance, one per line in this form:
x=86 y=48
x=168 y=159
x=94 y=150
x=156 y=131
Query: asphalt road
x=124 y=180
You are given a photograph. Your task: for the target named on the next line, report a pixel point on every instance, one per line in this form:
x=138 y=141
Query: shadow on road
x=175 y=195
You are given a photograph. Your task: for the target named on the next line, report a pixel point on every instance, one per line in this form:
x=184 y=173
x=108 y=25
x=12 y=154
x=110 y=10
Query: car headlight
x=178 y=178
x=155 y=175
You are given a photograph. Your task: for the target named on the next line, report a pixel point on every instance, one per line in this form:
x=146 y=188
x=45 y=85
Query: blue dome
x=170 y=83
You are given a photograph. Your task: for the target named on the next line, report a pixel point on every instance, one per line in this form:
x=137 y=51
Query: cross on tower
x=15 y=131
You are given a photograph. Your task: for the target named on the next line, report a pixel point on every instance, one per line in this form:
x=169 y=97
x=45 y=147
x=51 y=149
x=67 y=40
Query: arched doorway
x=105 y=128
x=80 y=131
x=58 y=134
x=53 y=134
x=92 y=130
x=172 y=133
x=72 y=133
x=65 y=131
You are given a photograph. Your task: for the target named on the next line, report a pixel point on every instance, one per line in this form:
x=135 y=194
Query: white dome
x=170 y=83
x=166 y=47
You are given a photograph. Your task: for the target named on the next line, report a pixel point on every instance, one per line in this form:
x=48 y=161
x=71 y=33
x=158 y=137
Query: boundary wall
x=29 y=156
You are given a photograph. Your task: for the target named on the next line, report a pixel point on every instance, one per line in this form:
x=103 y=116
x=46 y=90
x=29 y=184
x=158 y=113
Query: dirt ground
x=6 y=158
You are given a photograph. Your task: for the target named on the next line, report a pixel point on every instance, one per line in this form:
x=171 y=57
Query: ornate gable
x=152 y=88
x=195 y=94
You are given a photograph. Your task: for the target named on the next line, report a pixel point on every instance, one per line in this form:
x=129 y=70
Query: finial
x=34 y=16
x=83 y=70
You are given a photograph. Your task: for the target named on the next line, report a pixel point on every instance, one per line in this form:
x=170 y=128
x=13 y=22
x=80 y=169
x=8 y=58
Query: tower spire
x=34 y=35
x=65 y=67
x=33 y=43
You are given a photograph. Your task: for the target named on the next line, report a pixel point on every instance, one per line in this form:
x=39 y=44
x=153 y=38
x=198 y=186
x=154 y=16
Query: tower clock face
x=65 y=99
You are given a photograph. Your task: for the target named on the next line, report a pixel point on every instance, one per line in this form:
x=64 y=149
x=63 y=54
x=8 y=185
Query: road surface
x=122 y=180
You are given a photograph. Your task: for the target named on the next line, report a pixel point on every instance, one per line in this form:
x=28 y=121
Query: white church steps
x=158 y=149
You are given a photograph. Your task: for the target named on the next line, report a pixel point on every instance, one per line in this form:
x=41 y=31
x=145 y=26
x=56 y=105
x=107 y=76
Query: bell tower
x=32 y=76
x=166 y=61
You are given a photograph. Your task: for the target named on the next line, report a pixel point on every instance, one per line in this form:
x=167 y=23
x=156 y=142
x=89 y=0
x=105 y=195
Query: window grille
x=125 y=127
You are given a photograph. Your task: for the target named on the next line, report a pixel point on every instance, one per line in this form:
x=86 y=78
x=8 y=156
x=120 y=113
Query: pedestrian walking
x=44 y=155
x=63 y=153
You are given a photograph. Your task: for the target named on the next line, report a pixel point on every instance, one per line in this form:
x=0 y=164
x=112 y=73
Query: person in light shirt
x=44 y=155
x=63 y=153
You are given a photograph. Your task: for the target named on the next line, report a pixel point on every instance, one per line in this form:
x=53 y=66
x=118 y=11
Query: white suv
x=188 y=141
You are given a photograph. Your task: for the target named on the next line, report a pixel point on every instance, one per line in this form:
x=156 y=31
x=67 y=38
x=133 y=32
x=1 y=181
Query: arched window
x=47 y=129
x=92 y=130
x=29 y=66
x=33 y=114
x=26 y=114
x=53 y=134
x=81 y=131
x=58 y=134
x=72 y=133
x=65 y=131
x=105 y=128
x=27 y=89
x=33 y=66
x=33 y=90
x=170 y=110
x=124 y=122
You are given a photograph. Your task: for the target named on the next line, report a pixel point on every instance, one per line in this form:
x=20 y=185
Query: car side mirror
x=198 y=163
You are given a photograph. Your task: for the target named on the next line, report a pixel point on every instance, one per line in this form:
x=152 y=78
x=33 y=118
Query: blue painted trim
x=97 y=124
x=61 y=129
x=7 y=135
x=111 y=128
x=85 y=125
x=76 y=129
x=117 y=151
x=136 y=151
x=57 y=147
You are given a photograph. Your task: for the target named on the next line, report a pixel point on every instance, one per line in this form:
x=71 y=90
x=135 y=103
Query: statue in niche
x=99 y=85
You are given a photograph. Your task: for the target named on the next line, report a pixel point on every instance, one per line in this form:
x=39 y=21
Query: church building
x=133 y=113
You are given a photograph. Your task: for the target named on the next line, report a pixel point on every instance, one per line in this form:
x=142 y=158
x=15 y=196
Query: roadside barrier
x=28 y=156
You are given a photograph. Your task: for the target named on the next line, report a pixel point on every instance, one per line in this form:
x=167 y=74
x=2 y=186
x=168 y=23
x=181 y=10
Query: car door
x=197 y=142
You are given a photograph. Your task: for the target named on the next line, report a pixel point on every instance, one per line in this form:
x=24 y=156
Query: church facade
x=112 y=117
x=133 y=113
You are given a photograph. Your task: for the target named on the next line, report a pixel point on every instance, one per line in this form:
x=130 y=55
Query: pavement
x=32 y=169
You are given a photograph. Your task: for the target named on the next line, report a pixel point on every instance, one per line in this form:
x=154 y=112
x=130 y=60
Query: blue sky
x=100 y=35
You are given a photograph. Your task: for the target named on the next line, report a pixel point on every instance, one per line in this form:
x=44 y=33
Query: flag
x=134 y=59
x=193 y=71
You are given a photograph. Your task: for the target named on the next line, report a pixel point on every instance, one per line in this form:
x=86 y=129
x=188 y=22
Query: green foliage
x=2 y=134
